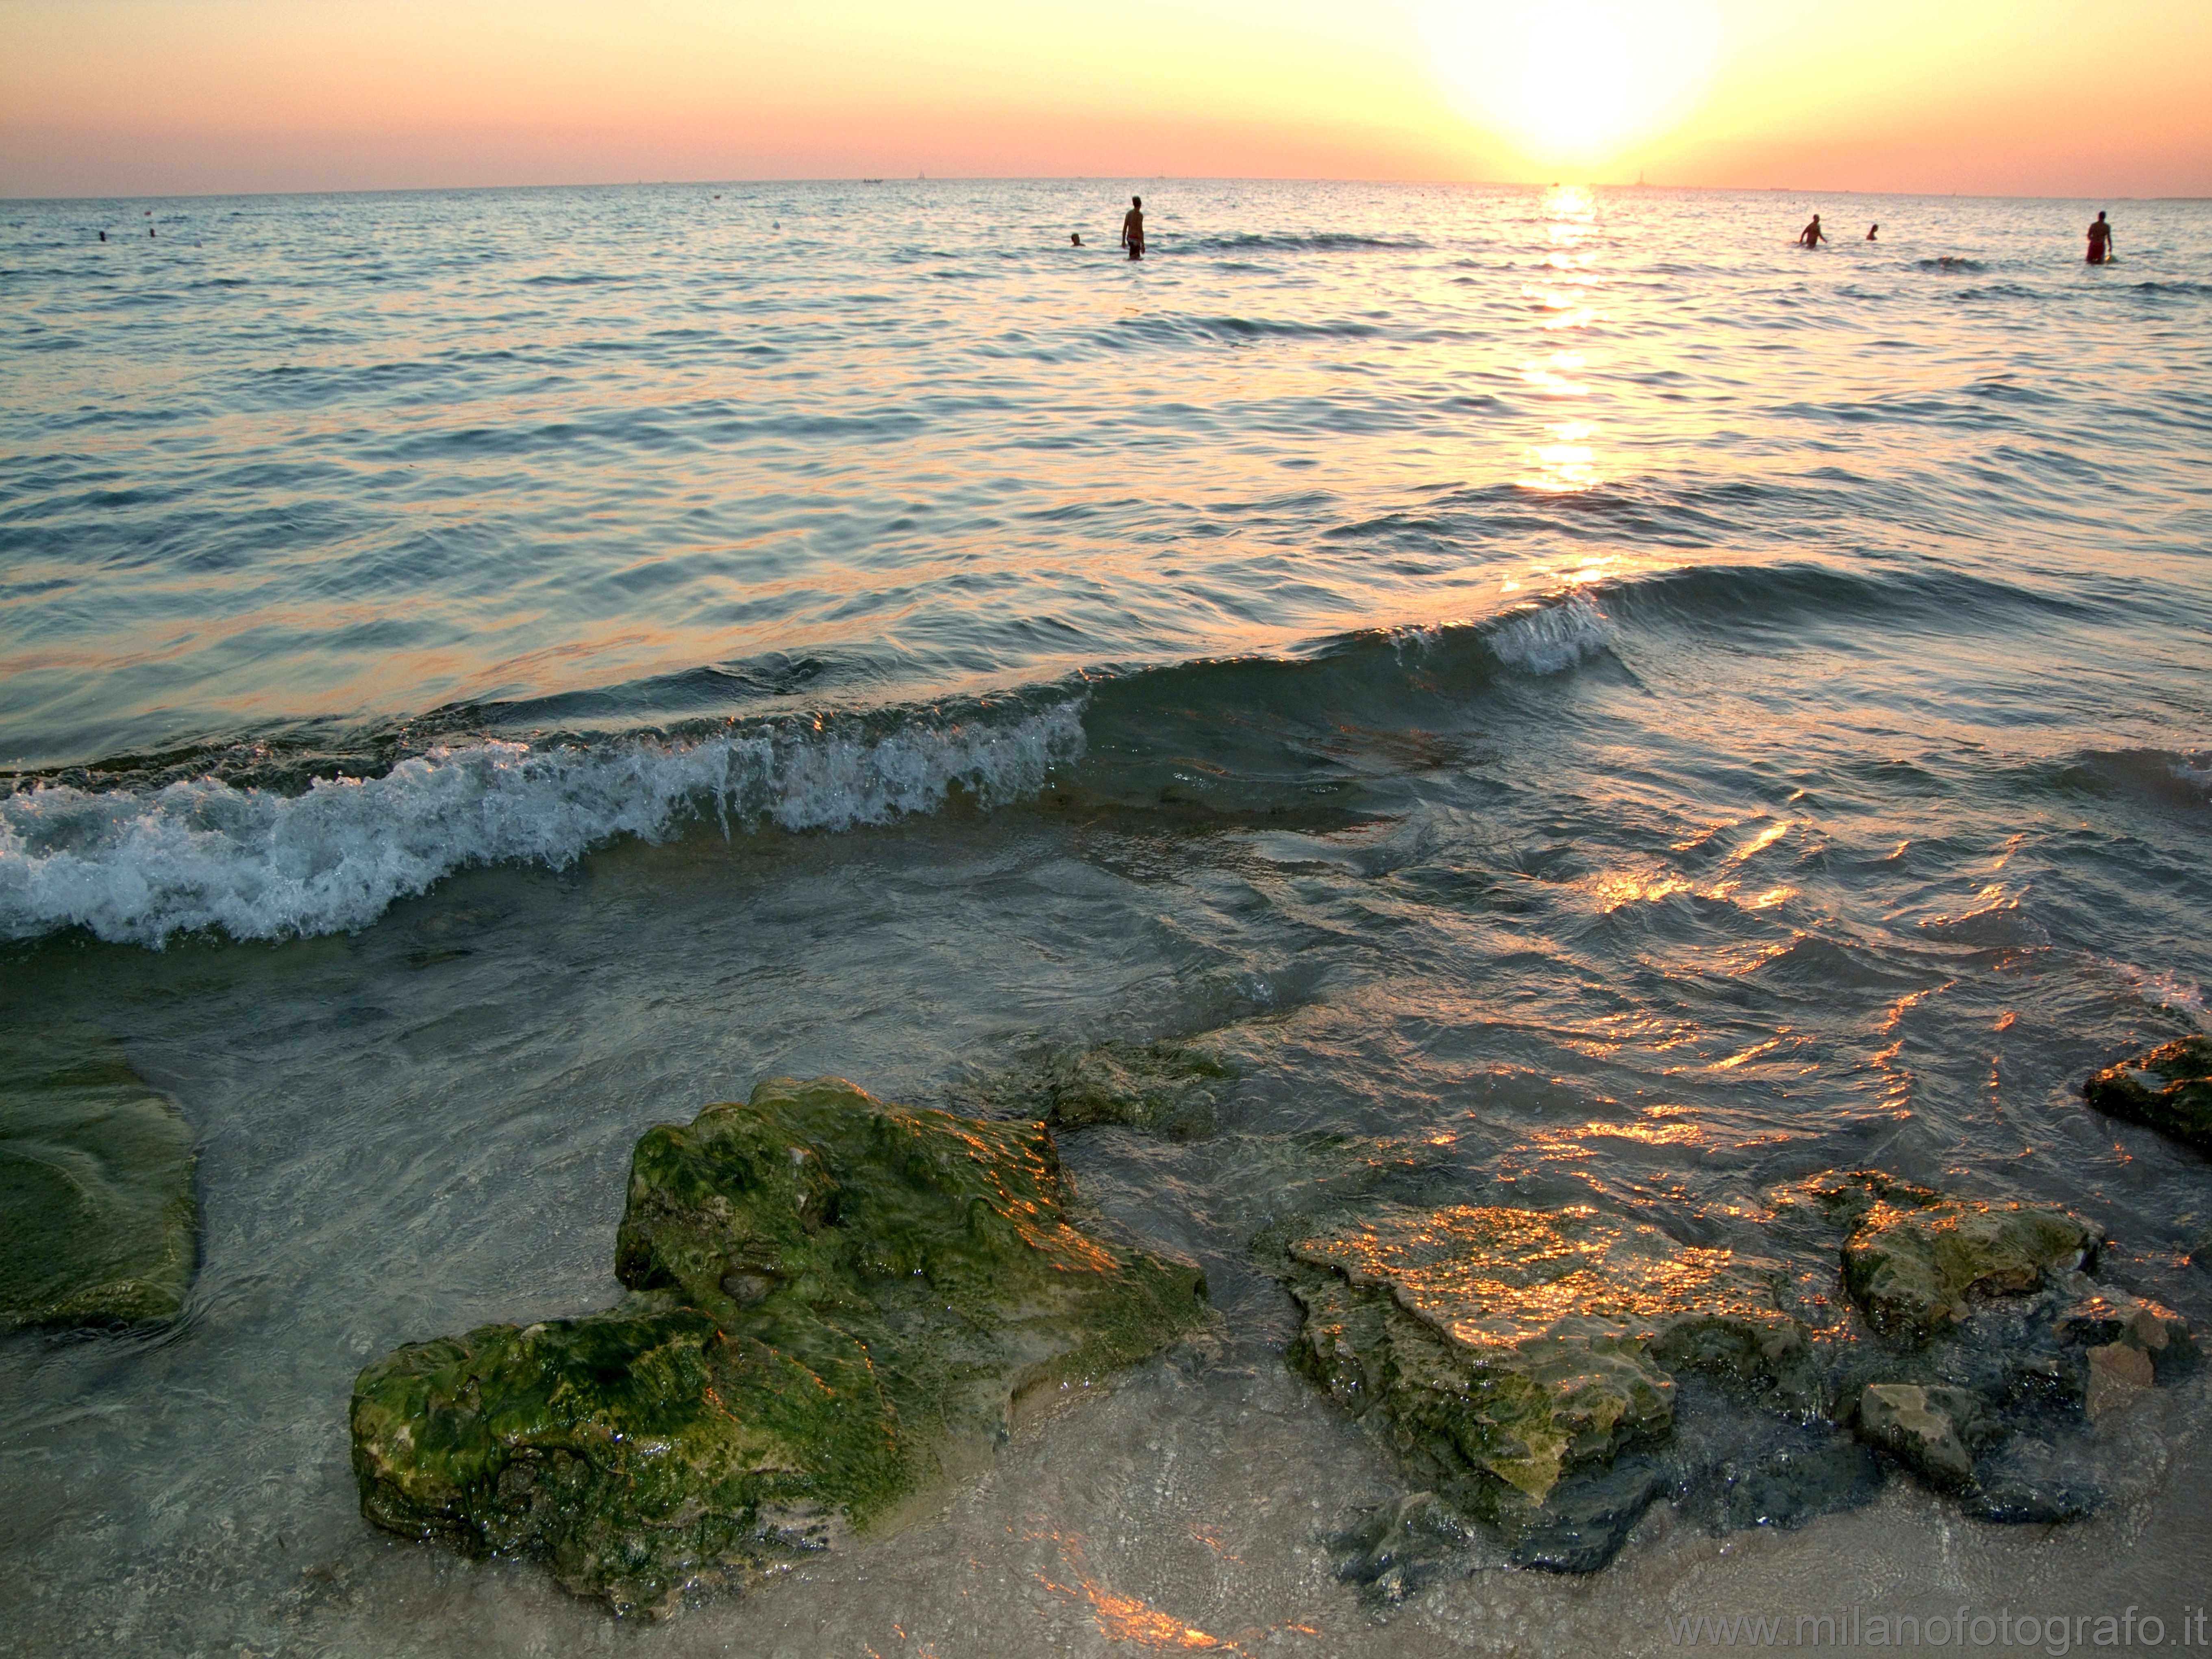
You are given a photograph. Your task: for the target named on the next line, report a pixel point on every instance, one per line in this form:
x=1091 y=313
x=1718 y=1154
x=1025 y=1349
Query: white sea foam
x=2167 y=990
x=1548 y=638
x=1417 y=639
x=2196 y=776
x=138 y=867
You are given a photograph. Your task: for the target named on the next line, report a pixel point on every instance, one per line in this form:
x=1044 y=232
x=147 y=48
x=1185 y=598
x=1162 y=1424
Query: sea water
x=1582 y=700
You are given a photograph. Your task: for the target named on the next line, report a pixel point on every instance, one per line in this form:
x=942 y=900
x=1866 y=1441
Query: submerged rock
x=1405 y=1547
x=2032 y=1481
x=1504 y=1350
x=2169 y=1090
x=1585 y=1519
x=1915 y=1257
x=1168 y=1088
x=97 y=1221
x=1789 y=1486
x=834 y=1305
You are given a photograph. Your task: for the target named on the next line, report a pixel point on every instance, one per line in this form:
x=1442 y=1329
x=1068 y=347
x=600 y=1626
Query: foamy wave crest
x=1548 y=638
x=2166 y=990
x=138 y=867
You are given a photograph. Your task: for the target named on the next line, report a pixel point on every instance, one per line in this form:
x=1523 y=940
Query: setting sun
x=1575 y=83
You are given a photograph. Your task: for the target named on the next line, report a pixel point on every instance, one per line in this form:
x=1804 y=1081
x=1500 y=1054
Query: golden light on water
x=1575 y=82
x=1567 y=463
x=1565 y=459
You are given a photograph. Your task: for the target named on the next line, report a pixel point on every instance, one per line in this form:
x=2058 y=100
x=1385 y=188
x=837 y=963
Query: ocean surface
x=1582 y=700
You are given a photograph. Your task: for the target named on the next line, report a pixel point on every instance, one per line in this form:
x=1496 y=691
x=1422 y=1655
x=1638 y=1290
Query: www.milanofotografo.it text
x=1967 y=1627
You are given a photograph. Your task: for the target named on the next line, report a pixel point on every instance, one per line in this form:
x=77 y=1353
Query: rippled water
x=1584 y=700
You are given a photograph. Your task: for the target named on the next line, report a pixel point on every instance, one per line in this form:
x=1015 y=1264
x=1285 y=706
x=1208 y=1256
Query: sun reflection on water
x=1567 y=459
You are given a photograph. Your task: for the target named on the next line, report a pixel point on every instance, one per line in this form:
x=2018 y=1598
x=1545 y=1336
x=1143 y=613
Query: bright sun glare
x=1574 y=81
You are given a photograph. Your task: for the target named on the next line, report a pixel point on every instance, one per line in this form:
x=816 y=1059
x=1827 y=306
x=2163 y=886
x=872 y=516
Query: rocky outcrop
x=1554 y=1371
x=1994 y=1350
x=1916 y=1257
x=834 y=1303
x=2169 y=1090
x=1509 y=1355
x=97 y=1221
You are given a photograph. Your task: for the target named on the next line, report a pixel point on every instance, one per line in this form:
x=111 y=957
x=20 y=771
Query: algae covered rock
x=2169 y=1090
x=1504 y=1350
x=1915 y=1257
x=834 y=1304
x=97 y=1221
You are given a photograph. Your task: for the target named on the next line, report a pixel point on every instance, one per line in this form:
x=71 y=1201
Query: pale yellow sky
x=2031 y=97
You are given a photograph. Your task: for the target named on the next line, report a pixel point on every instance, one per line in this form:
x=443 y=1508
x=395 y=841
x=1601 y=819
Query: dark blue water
x=1568 y=689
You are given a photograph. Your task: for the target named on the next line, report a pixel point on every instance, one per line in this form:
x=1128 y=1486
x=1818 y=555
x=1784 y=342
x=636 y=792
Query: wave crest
x=141 y=866
x=1546 y=638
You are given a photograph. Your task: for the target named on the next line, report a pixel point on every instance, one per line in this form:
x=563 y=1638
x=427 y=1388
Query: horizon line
x=1084 y=178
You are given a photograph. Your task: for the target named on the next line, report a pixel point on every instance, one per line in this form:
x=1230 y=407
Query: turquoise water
x=1581 y=697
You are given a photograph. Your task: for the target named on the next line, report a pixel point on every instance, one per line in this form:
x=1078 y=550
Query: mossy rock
x=834 y=1305
x=1502 y=1349
x=97 y=1222
x=1168 y=1088
x=2169 y=1090
x=1911 y=1266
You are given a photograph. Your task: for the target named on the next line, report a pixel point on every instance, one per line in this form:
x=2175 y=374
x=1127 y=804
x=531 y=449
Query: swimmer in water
x=2100 y=241
x=1870 y=231
x=1133 y=227
x=1812 y=235
x=1075 y=240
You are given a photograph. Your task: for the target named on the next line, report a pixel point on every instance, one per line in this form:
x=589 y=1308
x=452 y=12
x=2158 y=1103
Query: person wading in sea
x=2100 y=241
x=1870 y=232
x=1812 y=235
x=1133 y=227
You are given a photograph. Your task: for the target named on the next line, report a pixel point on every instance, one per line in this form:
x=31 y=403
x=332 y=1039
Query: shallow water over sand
x=1772 y=741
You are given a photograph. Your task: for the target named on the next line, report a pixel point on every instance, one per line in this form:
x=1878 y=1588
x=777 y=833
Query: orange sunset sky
x=2027 y=97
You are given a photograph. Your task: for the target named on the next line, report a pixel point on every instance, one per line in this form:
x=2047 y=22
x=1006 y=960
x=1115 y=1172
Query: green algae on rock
x=1503 y=1349
x=97 y=1221
x=1914 y=1256
x=2169 y=1090
x=834 y=1303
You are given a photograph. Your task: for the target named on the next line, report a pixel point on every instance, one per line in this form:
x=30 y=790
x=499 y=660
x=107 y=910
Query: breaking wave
x=141 y=866
x=1545 y=639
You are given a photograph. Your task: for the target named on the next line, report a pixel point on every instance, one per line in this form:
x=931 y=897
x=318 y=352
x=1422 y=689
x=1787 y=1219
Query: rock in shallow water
x=1405 y=1547
x=1510 y=1354
x=1915 y=1258
x=97 y=1221
x=1789 y=1486
x=1168 y=1088
x=834 y=1303
x=1931 y=1429
x=2169 y=1090
x=2034 y=1482
x=1526 y=1365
